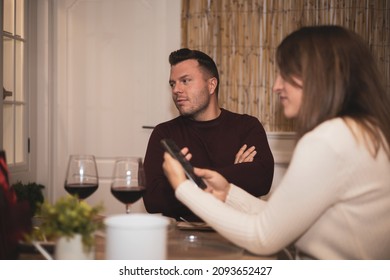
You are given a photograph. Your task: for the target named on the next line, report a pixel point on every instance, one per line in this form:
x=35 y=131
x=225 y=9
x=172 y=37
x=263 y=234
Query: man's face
x=190 y=89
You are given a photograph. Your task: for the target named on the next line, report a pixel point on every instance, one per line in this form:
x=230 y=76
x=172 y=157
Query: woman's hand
x=173 y=169
x=217 y=185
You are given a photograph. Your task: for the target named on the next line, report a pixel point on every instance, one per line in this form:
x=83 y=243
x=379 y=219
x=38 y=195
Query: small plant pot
x=72 y=248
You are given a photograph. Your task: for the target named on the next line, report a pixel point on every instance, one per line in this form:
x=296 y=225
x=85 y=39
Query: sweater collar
x=213 y=122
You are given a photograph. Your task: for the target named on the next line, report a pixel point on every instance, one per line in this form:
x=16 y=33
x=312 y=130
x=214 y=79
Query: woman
x=334 y=200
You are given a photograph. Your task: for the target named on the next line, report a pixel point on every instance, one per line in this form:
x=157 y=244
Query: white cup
x=136 y=237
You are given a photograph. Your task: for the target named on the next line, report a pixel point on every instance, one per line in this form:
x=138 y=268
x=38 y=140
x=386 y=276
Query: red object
x=15 y=220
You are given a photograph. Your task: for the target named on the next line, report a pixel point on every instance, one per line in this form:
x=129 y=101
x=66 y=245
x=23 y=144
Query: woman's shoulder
x=332 y=125
x=333 y=133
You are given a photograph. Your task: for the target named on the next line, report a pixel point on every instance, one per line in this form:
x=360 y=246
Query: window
x=14 y=130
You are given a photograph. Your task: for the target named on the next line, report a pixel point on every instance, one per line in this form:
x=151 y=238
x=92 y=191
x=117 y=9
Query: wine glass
x=128 y=182
x=81 y=176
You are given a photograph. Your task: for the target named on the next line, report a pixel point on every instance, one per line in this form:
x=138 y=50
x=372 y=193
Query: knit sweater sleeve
x=159 y=196
x=254 y=177
x=266 y=227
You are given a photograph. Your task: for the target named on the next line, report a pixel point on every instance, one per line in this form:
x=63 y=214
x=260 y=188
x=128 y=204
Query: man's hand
x=245 y=155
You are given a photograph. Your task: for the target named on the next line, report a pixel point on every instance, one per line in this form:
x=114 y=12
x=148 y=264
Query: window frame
x=19 y=165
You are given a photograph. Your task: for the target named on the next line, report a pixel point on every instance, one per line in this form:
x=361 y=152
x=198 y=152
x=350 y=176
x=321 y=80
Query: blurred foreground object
x=15 y=217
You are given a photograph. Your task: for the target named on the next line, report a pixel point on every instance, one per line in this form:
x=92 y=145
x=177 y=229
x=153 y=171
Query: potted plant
x=70 y=221
x=30 y=192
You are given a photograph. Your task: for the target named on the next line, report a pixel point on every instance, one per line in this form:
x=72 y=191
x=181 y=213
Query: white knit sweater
x=333 y=202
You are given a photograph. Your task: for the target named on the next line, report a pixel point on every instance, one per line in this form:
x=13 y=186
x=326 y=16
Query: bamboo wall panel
x=242 y=37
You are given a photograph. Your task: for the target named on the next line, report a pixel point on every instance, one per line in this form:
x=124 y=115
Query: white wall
x=282 y=146
x=102 y=74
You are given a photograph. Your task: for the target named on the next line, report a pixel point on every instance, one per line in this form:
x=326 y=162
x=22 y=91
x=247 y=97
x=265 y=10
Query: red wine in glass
x=128 y=180
x=82 y=190
x=128 y=195
x=81 y=176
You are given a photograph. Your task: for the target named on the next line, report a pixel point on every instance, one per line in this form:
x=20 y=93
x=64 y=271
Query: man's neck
x=209 y=115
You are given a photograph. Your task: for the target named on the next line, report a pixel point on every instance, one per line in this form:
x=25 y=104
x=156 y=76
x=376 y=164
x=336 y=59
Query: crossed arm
x=245 y=154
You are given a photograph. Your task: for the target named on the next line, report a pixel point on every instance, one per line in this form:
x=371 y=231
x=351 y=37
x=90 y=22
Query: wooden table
x=182 y=245
x=193 y=244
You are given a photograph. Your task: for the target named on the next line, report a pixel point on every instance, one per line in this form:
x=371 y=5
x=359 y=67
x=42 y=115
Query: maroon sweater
x=213 y=145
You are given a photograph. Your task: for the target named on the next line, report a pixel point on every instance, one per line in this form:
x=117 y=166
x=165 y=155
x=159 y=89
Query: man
x=235 y=145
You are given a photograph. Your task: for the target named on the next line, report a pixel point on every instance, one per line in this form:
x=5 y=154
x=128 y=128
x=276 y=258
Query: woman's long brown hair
x=340 y=79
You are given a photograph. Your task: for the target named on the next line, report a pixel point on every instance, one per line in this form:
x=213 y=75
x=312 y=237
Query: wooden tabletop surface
x=182 y=244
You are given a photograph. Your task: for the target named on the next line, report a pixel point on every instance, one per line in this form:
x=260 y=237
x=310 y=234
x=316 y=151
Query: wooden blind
x=242 y=35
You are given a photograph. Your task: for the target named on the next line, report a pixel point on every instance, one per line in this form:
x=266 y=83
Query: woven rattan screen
x=242 y=35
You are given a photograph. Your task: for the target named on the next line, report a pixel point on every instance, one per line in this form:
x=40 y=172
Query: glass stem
x=127 y=208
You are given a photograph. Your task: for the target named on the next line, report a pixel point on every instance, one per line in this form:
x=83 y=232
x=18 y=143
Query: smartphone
x=171 y=147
